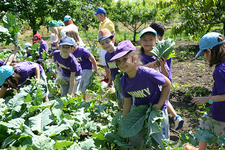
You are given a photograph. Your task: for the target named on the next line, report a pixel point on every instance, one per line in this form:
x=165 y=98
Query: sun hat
x=122 y=49
x=104 y=34
x=100 y=11
x=27 y=45
x=53 y=23
x=66 y=40
x=67 y=18
x=53 y=38
x=5 y=72
x=37 y=37
x=209 y=40
x=60 y=23
x=149 y=29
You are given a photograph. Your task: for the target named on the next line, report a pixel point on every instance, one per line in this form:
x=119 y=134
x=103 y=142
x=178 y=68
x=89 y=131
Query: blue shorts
x=66 y=88
x=85 y=78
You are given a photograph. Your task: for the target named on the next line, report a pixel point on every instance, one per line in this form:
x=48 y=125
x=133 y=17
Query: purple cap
x=122 y=49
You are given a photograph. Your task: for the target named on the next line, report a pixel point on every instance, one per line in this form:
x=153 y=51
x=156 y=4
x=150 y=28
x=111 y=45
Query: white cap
x=53 y=38
x=26 y=45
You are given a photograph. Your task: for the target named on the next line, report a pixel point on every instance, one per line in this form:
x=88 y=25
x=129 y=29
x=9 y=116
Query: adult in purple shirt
x=43 y=44
x=71 y=69
x=212 y=46
x=143 y=84
x=18 y=75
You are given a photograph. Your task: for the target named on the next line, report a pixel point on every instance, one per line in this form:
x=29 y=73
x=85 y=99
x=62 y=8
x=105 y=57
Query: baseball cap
x=53 y=38
x=122 y=49
x=37 y=37
x=100 y=11
x=27 y=45
x=5 y=72
x=66 y=40
x=60 y=23
x=67 y=18
x=104 y=34
x=149 y=29
x=53 y=23
x=209 y=40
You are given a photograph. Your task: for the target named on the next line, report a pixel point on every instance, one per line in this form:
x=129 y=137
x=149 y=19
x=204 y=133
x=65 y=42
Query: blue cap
x=66 y=40
x=149 y=29
x=60 y=23
x=122 y=49
x=209 y=40
x=67 y=18
x=100 y=11
x=5 y=72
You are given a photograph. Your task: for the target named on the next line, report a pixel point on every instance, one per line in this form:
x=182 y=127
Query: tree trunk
x=34 y=32
x=135 y=32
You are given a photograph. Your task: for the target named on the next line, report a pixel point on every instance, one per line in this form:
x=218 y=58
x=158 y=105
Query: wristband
x=210 y=101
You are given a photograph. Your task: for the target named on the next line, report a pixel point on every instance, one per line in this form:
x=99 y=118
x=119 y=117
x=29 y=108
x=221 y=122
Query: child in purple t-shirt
x=105 y=40
x=143 y=84
x=43 y=44
x=27 y=48
x=148 y=39
x=18 y=75
x=212 y=46
x=71 y=69
x=86 y=60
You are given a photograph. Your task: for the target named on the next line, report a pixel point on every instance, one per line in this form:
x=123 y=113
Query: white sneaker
x=178 y=122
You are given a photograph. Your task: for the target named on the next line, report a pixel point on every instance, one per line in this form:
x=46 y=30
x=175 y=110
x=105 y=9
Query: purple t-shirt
x=148 y=59
x=218 y=108
x=27 y=70
x=1 y=63
x=111 y=64
x=82 y=55
x=53 y=47
x=144 y=87
x=43 y=46
x=67 y=65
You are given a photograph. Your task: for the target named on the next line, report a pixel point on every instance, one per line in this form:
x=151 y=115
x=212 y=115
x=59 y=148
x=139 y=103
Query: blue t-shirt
x=218 y=108
x=144 y=87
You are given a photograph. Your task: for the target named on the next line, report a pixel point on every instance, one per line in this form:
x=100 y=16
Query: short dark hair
x=158 y=26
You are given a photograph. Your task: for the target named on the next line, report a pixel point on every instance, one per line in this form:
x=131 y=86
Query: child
x=105 y=40
x=86 y=60
x=17 y=75
x=54 y=40
x=212 y=46
x=27 y=48
x=158 y=26
x=71 y=69
x=43 y=44
x=143 y=80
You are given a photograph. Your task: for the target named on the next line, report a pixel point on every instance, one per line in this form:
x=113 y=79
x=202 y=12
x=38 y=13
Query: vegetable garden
x=72 y=123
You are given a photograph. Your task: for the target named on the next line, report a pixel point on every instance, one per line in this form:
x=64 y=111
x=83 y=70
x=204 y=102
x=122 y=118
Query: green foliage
x=110 y=94
x=131 y=16
x=117 y=80
x=95 y=84
x=10 y=30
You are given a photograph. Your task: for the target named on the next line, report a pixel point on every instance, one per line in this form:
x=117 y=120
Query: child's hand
x=153 y=64
x=200 y=100
x=95 y=70
x=110 y=84
x=162 y=61
x=71 y=95
x=156 y=106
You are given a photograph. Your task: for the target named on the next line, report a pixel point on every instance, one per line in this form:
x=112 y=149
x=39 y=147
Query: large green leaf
x=62 y=144
x=42 y=142
x=205 y=135
x=163 y=48
x=221 y=140
x=41 y=120
x=87 y=144
x=9 y=140
x=133 y=122
x=14 y=123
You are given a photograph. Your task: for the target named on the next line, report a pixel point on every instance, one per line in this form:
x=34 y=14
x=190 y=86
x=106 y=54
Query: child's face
x=65 y=49
x=107 y=45
x=147 y=41
x=207 y=54
x=125 y=63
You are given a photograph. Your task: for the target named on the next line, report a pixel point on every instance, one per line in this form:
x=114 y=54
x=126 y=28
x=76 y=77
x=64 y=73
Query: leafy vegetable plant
x=10 y=30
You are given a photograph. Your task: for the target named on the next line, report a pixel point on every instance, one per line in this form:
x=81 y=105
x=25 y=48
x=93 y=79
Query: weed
x=175 y=86
x=201 y=67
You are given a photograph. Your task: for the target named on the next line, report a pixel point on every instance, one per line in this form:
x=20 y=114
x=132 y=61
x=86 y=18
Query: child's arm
x=162 y=66
x=11 y=57
x=203 y=100
x=127 y=105
x=164 y=94
x=37 y=73
x=3 y=91
x=110 y=79
x=72 y=83
x=93 y=62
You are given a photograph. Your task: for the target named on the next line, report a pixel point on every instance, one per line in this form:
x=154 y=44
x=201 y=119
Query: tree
x=199 y=16
x=133 y=14
x=35 y=12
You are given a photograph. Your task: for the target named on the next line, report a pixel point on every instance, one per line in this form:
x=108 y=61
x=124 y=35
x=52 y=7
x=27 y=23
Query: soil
x=192 y=77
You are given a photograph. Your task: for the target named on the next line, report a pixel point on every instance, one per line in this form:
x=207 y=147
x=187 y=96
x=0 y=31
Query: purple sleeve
x=157 y=77
x=86 y=53
x=1 y=63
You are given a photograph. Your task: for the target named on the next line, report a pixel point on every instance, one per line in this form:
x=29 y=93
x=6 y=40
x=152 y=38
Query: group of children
x=140 y=85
